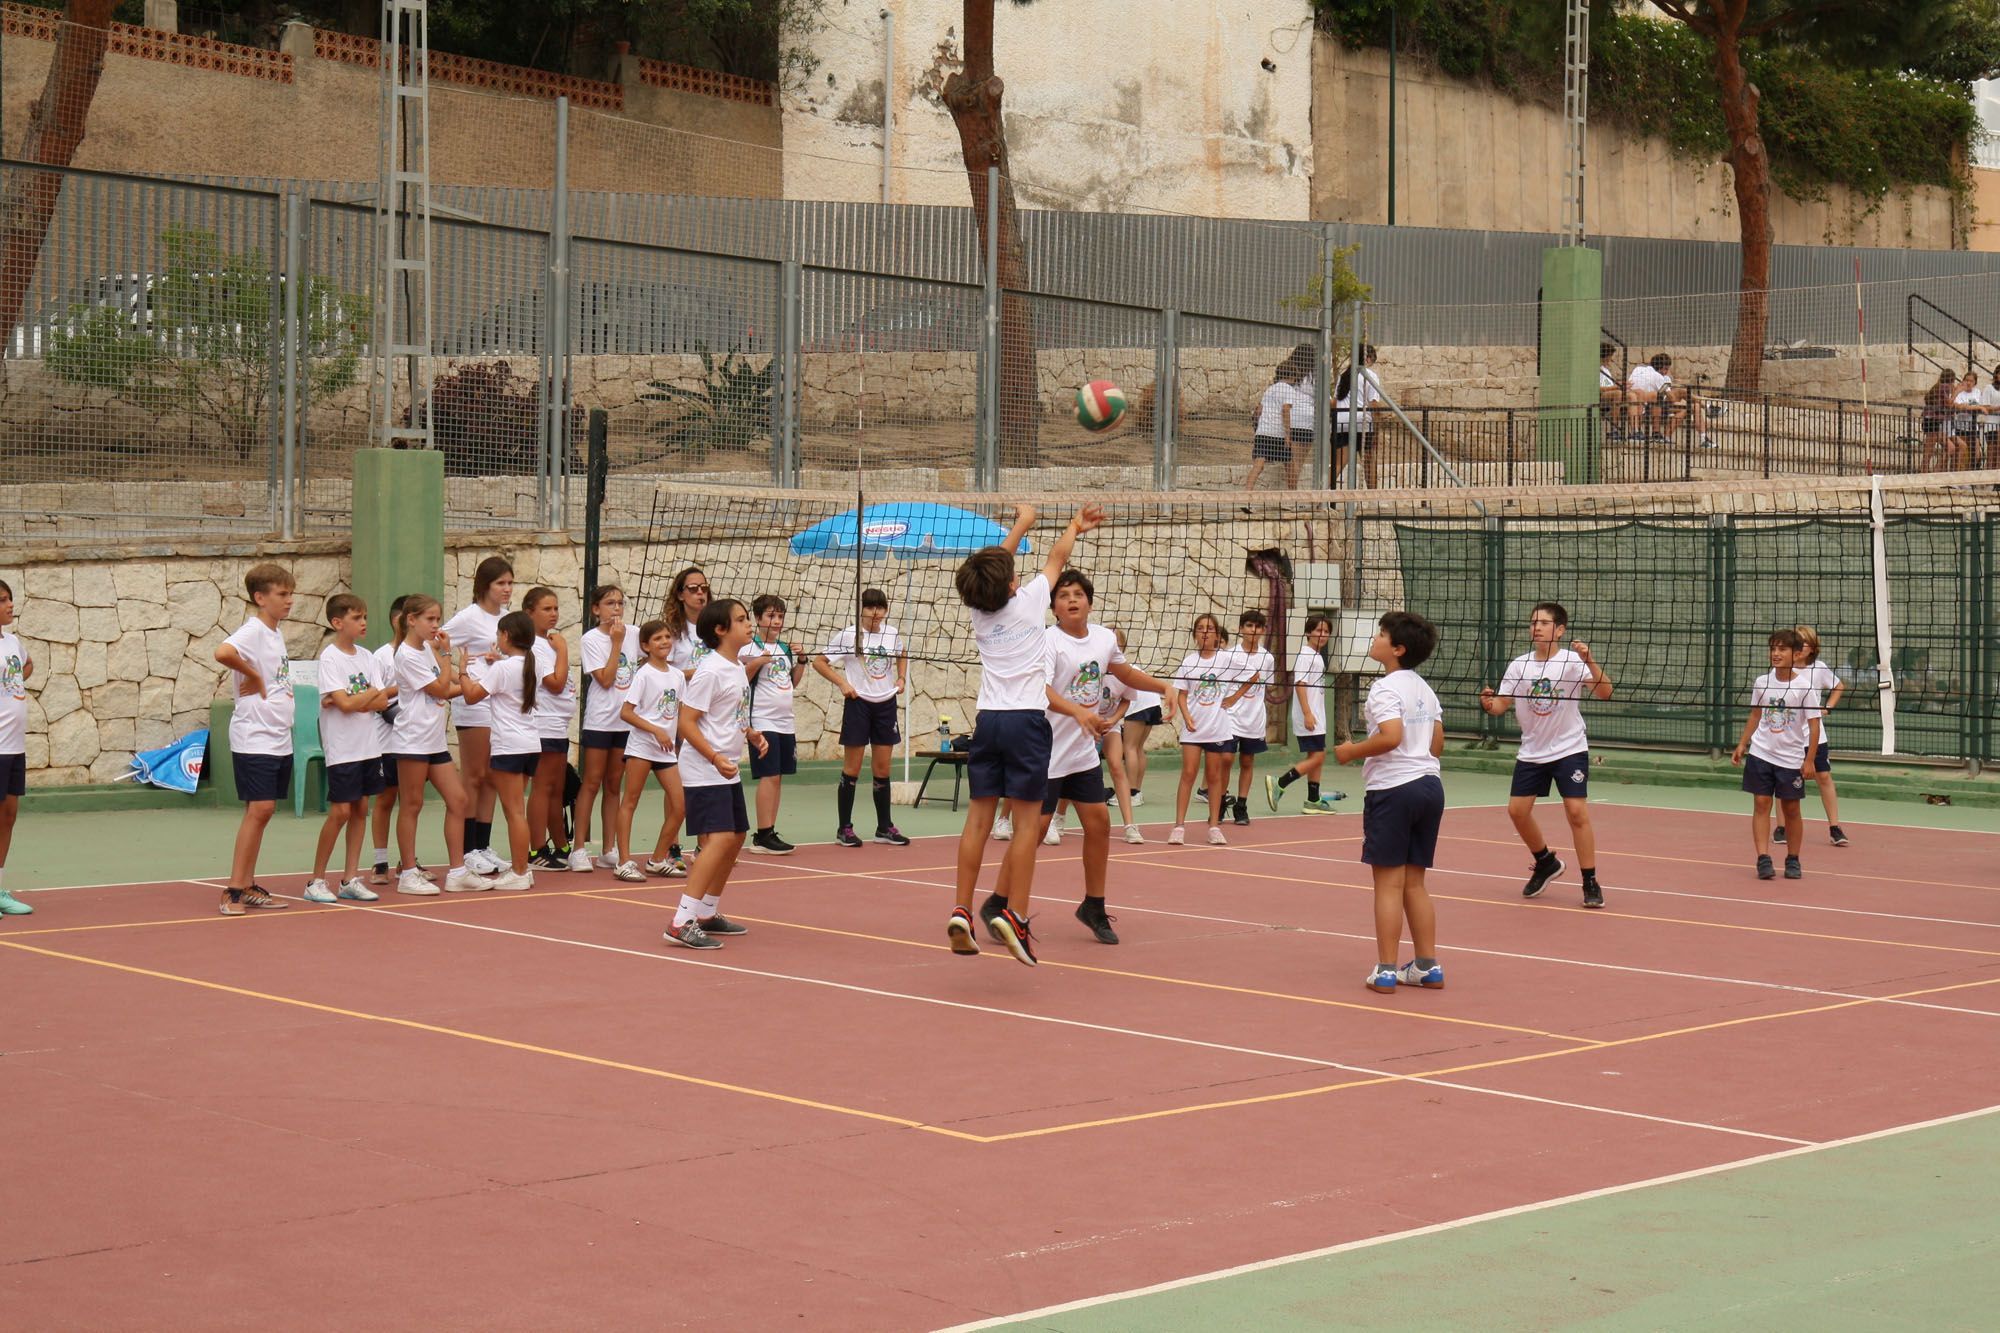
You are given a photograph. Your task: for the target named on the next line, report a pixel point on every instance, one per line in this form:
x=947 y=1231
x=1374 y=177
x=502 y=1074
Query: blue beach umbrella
x=909 y=529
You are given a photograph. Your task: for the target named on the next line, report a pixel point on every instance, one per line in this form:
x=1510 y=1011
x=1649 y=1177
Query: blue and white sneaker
x=1382 y=977
x=318 y=892
x=1430 y=978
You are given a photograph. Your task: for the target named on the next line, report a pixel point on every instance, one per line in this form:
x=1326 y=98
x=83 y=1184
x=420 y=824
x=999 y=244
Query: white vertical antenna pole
x=1576 y=115
x=1885 y=640
x=403 y=329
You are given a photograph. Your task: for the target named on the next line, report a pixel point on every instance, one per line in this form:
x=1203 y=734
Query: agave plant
x=730 y=409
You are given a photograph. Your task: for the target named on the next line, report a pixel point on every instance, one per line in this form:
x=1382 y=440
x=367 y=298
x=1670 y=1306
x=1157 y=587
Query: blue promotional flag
x=176 y=767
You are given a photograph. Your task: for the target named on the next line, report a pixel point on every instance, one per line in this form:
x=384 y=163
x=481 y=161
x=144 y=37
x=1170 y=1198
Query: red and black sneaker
x=1014 y=933
x=959 y=931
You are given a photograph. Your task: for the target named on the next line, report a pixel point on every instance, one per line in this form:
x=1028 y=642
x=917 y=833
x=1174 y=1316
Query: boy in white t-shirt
x=1831 y=687
x=1404 y=808
x=1781 y=736
x=1543 y=686
x=1255 y=671
x=1009 y=755
x=872 y=669
x=715 y=723
x=260 y=728
x=1308 y=721
x=15 y=668
x=651 y=712
x=773 y=666
x=352 y=696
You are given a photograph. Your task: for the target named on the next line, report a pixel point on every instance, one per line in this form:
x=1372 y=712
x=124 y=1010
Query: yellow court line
x=503 y=1042
x=1738 y=865
x=1622 y=915
x=1323 y=1089
x=1149 y=976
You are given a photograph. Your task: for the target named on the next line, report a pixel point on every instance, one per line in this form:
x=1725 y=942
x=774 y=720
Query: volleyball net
x=1676 y=587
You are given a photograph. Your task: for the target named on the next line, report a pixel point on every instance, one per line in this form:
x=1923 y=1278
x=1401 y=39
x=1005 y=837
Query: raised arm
x=1087 y=518
x=1600 y=679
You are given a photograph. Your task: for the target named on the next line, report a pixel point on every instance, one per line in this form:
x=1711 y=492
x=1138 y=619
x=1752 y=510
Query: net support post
x=1166 y=399
x=293 y=277
x=986 y=472
x=555 y=392
x=1323 y=359
x=1885 y=638
x=398 y=529
x=1571 y=323
x=785 y=449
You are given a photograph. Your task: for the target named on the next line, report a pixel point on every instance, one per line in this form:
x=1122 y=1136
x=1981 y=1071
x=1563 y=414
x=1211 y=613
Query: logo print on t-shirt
x=11 y=679
x=623 y=679
x=670 y=705
x=357 y=682
x=1087 y=685
x=1208 y=688
x=1542 y=697
x=1777 y=715
x=284 y=677
x=875 y=659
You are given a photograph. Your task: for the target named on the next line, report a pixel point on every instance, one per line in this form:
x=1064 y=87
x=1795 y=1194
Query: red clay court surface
x=525 y=1111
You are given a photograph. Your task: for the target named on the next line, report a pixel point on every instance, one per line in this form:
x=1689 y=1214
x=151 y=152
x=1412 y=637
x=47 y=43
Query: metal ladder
x=403 y=329
x=1576 y=114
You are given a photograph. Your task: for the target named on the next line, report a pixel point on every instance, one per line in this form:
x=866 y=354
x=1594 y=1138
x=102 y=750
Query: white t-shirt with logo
x=1785 y=726
x=1309 y=670
x=476 y=630
x=1271 y=410
x=872 y=671
x=1247 y=718
x=13 y=695
x=1826 y=680
x=656 y=696
x=1409 y=697
x=602 y=703
x=1081 y=674
x=262 y=725
x=721 y=690
x=553 y=708
x=419 y=717
x=1545 y=695
x=385 y=721
x=348 y=737
x=688 y=649
x=771 y=707
x=1013 y=655
x=514 y=732
x=1206 y=682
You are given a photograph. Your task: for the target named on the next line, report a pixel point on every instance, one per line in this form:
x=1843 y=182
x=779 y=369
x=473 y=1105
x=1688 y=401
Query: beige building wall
x=1984 y=233
x=1470 y=156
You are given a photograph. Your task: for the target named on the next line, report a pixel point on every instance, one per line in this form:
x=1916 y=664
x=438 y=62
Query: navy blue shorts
x=13 y=775
x=1251 y=745
x=1009 y=754
x=780 y=761
x=390 y=778
x=717 y=810
x=262 y=777
x=1270 y=447
x=606 y=740
x=427 y=760
x=1570 y=774
x=555 y=745
x=1820 y=760
x=1085 y=788
x=1150 y=717
x=1214 y=747
x=1313 y=744
x=513 y=763
x=869 y=722
x=348 y=783
x=1761 y=777
x=1399 y=825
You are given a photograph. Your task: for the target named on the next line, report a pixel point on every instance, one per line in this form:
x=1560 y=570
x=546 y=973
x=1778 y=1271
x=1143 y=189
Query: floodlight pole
x=403 y=332
x=1576 y=114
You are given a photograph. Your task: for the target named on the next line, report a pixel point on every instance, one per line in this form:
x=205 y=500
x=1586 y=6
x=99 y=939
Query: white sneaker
x=1178 y=837
x=609 y=861
x=414 y=881
x=1138 y=799
x=1053 y=838
x=629 y=872
x=466 y=880
x=1003 y=829
x=580 y=860
x=508 y=881
x=430 y=877
x=318 y=892
x=1215 y=838
x=356 y=891
x=482 y=861
x=1132 y=834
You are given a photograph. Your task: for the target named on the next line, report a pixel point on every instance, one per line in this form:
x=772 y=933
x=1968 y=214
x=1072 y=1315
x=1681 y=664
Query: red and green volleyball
x=1099 y=404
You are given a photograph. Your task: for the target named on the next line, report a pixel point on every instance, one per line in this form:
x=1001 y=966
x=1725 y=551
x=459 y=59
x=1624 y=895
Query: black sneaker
x=547 y=859
x=1793 y=870
x=892 y=836
x=1538 y=878
x=1778 y=834
x=722 y=925
x=992 y=907
x=1839 y=838
x=1242 y=812
x=1592 y=895
x=1014 y=933
x=1765 y=870
x=846 y=837
x=770 y=844
x=1091 y=912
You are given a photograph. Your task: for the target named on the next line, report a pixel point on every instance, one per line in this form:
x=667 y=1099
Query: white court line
x=1732 y=814
x=1310 y=1061
x=1436 y=1228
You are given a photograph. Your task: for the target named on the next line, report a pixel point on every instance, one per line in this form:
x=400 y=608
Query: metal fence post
x=1767 y=436
x=1356 y=397
x=986 y=462
x=555 y=393
x=1166 y=399
x=786 y=463
x=291 y=279
x=1322 y=459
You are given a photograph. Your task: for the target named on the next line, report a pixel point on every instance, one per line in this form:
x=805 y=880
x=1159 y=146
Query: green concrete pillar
x=398 y=530
x=1572 y=324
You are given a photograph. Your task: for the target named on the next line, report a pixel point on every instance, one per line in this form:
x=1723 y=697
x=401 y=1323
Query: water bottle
x=944 y=735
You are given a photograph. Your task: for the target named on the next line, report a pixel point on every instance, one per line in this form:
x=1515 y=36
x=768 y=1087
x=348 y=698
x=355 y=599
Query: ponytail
x=519 y=632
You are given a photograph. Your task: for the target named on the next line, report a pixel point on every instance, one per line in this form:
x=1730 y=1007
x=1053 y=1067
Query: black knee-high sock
x=1312 y=790
x=1287 y=778
x=844 y=799
x=882 y=819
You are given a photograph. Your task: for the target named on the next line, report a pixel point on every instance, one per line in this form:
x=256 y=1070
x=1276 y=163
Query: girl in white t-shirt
x=15 y=667
x=685 y=599
x=555 y=705
x=385 y=801
x=1830 y=686
x=1283 y=404
x=611 y=654
x=426 y=680
x=1360 y=399
x=509 y=683
x=353 y=693
x=472 y=629
x=652 y=711
x=1209 y=688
